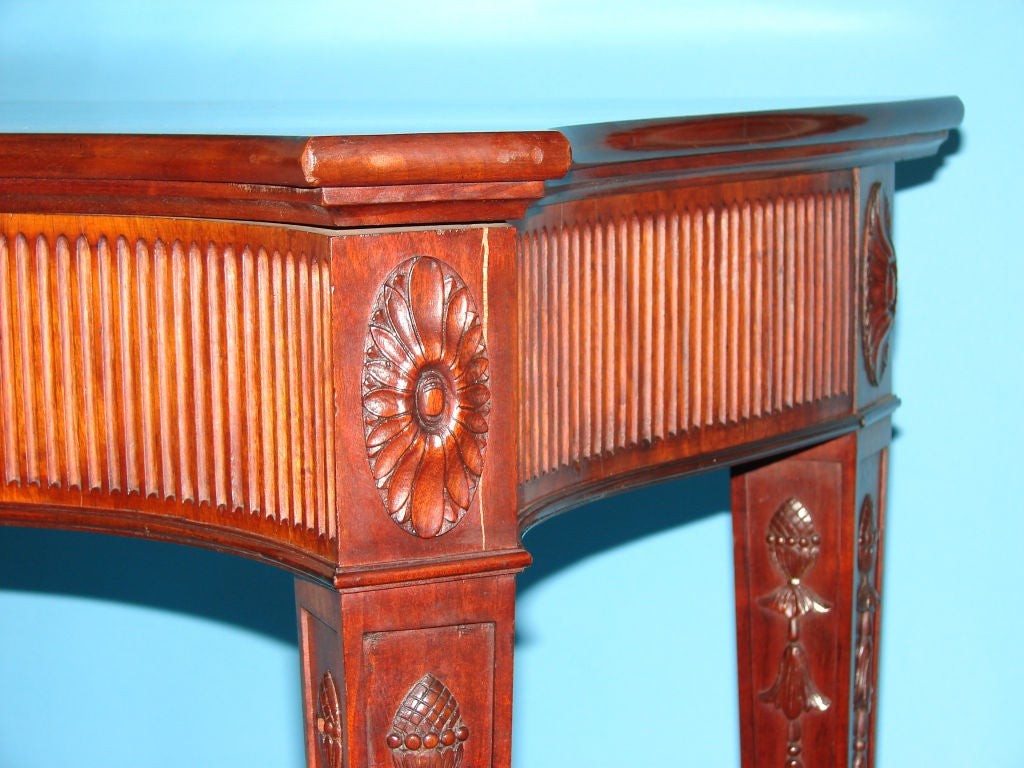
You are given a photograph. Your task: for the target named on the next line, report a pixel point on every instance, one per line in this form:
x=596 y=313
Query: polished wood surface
x=212 y=340
x=321 y=180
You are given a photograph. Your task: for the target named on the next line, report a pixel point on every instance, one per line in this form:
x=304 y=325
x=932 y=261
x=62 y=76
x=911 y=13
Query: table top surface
x=403 y=157
x=403 y=178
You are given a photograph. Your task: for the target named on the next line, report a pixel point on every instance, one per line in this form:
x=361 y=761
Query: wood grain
x=170 y=363
x=658 y=317
x=686 y=295
x=317 y=161
x=644 y=154
x=320 y=180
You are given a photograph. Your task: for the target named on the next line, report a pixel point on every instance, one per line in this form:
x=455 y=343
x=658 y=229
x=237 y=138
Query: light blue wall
x=116 y=653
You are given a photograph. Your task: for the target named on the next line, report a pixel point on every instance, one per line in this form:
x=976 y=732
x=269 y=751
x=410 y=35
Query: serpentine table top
x=376 y=360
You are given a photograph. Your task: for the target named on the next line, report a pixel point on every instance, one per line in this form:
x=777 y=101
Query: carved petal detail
x=867 y=536
x=328 y=722
x=426 y=399
x=879 y=285
x=792 y=600
x=793 y=690
x=427 y=731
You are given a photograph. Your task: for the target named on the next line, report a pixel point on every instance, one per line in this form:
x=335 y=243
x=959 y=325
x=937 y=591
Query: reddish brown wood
x=383 y=411
x=896 y=123
x=668 y=326
x=381 y=644
x=878 y=294
x=170 y=378
x=327 y=207
x=318 y=161
x=694 y=150
x=371 y=266
x=807 y=583
x=426 y=396
x=322 y=180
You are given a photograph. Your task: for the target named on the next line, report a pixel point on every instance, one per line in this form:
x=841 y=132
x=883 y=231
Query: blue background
x=119 y=653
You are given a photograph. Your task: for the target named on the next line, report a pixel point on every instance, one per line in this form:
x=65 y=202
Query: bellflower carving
x=793 y=546
x=867 y=604
x=328 y=721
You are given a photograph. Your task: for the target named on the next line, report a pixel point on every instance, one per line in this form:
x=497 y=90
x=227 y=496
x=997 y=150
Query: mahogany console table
x=376 y=360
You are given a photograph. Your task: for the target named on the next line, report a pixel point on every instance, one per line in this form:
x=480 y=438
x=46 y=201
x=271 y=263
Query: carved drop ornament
x=425 y=396
x=427 y=731
x=793 y=546
x=328 y=722
x=879 y=285
x=867 y=606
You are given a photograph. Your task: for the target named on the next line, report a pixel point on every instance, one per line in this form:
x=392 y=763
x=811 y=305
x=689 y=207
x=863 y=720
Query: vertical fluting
x=563 y=364
x=171 y=471
x=251 y=398
x=597 y=348
x=47 y=360
x=193 y=372
x=584 y=238
x=573 y=421
x=143 y=353
x=93 y=415
x=8 y=375
x=201 y=374
x=128 y=307
x=612 y=326
x=686 y=321
x=295 y=459
x=108 y=310
x=326 y=417
x=644 y=326
x=233 y=351
x=267 y=341
x=183 y=369
x=305 y=481
x=217 y=377
x=659 y=343
x=756 y=255
x=68 y=349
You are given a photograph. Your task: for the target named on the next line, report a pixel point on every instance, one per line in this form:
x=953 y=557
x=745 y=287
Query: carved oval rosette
x=427 y=730
x=878 y=289
x=328 y=722
x=425 y=396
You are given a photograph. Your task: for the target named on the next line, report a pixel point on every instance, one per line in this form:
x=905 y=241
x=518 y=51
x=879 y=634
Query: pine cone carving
x=428 y=731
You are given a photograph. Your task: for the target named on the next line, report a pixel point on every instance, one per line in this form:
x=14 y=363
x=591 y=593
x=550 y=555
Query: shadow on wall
x=912 y=173
x=169 y=577
x=618 y=520
x=258 y=597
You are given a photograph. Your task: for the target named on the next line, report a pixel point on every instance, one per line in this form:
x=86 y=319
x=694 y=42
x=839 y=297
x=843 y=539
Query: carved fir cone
x=425 y=396
x=793 y=545
x=427 y=731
